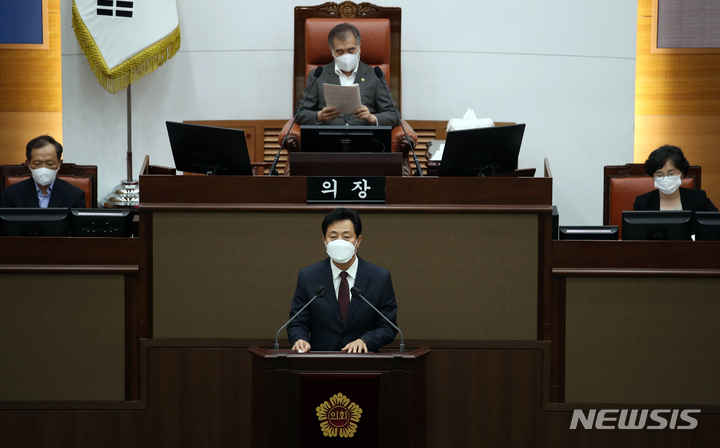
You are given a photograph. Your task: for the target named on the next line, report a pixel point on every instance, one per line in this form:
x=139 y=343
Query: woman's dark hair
x=658 y=158
x=341 y=214
x=41 y=142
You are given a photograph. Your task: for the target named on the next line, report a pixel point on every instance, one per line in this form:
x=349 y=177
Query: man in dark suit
x=43 y=188
x=346 y=69
x=338 y=321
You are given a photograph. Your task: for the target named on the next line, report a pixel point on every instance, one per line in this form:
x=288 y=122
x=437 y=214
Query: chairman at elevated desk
x=377 y=107
x=43 y=188
x=337 y=321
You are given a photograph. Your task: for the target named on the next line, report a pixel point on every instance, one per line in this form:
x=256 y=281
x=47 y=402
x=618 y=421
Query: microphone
x=317 y=73
x=418 y=170
x=319 y=292
x=357 y=292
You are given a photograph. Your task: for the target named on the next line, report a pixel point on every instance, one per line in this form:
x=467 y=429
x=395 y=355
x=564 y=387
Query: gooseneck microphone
x=319 y=292
x=316 y=75
x=379 y=73
x=358 y=293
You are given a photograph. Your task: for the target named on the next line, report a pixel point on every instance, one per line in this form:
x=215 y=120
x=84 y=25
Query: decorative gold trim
x=142 y=64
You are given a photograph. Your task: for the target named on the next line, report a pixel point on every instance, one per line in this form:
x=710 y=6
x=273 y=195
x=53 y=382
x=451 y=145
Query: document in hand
x=345 y=98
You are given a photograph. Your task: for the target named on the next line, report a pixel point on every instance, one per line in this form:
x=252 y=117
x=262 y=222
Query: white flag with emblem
x=126 y=40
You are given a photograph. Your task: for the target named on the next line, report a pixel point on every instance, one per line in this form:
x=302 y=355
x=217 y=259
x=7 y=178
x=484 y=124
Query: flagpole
x=129 y=135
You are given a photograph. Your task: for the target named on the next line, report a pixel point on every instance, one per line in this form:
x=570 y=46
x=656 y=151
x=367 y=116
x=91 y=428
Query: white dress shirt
x=352 y=274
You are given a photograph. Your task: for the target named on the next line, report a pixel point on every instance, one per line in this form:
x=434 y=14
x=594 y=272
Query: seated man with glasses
x=668 y=165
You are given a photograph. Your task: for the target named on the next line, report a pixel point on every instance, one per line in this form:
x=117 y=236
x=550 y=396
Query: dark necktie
x=344 y=295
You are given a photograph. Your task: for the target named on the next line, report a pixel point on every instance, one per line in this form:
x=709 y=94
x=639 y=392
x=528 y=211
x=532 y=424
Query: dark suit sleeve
x=6 y=200
x=707 y=204
x=384 y=107
x=308 y=113
x=384 y=333
x=79 y=201
x=300 y=327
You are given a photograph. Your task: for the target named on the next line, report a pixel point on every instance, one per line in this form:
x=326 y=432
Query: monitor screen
x=101 y=222
x=482 y=152
x=656 y=225
x=322 y=138
x=707 y=227
x=209 y=150
x=589 y=232
x=34 y=222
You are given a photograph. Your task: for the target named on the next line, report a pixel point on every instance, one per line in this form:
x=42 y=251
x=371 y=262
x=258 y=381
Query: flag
x=126 y=40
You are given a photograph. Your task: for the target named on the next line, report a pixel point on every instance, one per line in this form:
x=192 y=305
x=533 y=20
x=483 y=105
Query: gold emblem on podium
x=339 y=417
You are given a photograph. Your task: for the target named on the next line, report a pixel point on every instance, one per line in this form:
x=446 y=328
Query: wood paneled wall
x=677 y=102
x=30 y=93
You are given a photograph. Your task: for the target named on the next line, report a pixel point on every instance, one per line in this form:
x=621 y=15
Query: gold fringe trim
x=138 y=66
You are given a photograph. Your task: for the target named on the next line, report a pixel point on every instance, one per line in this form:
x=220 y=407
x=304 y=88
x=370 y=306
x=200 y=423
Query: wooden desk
x=71 y=321
x=636 y=322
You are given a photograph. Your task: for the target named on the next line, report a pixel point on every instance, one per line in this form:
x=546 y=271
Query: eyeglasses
x=661 y=175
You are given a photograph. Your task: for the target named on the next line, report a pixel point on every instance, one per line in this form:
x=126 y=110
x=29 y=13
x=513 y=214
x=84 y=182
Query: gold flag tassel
x=138 y=66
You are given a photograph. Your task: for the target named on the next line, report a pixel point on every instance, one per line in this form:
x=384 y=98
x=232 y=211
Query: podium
x=329 y=399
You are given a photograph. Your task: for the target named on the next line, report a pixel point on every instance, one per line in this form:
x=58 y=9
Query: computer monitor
x=34 y=222
x=322 y=138
x=656 y=225
x=589 y=233
x=208 y=149
x=483 y=152
x=707 y=226
x=91 y=222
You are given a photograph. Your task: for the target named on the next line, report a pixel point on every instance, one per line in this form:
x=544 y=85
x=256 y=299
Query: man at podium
x=347 y=69
x=337 y=321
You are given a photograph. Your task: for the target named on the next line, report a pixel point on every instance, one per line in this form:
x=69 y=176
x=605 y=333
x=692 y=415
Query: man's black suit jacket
x=695 y=200
x=321 y=325
x=23 y=194
x=372 y=95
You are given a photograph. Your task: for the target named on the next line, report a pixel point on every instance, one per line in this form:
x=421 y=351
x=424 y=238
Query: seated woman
x=668 y=166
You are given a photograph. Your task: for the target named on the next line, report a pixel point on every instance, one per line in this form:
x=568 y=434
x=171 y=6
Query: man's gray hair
x=342 y=33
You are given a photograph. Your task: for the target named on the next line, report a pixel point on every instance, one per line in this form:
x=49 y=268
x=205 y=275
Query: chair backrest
x=82 y=176
x=623 y=183
x=379 y=46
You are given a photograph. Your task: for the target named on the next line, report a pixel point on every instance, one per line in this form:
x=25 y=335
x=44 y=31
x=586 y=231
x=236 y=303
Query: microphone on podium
x=418 y=170
x=319 y=292
x=316 y=75
x=357 y=293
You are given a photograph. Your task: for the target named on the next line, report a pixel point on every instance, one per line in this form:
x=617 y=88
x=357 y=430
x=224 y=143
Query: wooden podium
x=328 y=399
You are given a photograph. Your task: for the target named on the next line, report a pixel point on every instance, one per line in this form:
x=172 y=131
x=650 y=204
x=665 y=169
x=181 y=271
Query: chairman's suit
x=372 y=95
x=23 y=194
x=695 y=200
x=321 y=325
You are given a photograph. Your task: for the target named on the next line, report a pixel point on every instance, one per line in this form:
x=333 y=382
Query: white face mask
x=668 y=184
x=340 y=251
x=348 y=62
x=43 y=176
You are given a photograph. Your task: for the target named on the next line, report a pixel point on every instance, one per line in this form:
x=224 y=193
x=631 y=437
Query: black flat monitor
x=34 y=222
x=323 y=138
x=589 y=233
x=208 y=149
x=674 y=225
x=707 y=226
x=483 y=152
x=97 y=222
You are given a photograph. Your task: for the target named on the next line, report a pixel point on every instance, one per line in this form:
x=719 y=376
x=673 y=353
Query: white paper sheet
x=345 y=98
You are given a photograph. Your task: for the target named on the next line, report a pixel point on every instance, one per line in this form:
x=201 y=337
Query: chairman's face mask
x=43 y=176
x=668 y=184
x=347 y=62
x=340 y=251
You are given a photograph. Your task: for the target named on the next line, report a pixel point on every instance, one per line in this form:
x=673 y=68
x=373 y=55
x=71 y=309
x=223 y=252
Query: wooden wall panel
x=30 y=93
x=677 y=102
